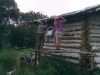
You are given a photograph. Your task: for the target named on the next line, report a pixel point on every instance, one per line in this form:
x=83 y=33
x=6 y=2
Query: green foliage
x=13 y=24
x=8 y=60
x=52 y=66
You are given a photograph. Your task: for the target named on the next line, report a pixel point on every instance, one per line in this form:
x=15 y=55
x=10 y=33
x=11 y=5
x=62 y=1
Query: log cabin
x=81 y=33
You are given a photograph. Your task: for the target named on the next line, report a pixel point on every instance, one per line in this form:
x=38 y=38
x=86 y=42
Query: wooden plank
x=73 y=33
x=71 y=54
x=95 y=47
x=95 y=27
x=94 y=44
x=94 y=31
x=93 y=38
x=98 y=65
x=53 y=51
x=72 y=37
x=76 y=37
x=94 y=17
x=63 y=44
x=73 y=24
x=65 y=41
x=73 y=61
x=95 y=35
x=97 y=59
x=77 y=28
x=62 y=48
x=94 y=23
x=91 y=32
x=72 y=41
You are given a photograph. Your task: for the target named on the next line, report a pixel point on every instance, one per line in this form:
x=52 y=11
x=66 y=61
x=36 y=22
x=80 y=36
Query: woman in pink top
x=58 y=21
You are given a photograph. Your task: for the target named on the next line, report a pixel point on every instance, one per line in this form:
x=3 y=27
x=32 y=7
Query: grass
x=9 y=59
x=52 y=66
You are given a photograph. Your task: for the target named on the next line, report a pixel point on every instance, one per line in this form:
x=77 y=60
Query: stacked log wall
x=95 y=36
x=71 y=41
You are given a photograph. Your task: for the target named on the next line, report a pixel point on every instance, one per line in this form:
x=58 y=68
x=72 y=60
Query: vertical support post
x=35 y=61
x=86 y=59
x=36 y=47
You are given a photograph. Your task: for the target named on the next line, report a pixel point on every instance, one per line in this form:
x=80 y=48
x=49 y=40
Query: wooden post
x=85 y=62
x=35 y=61
x=36 y=47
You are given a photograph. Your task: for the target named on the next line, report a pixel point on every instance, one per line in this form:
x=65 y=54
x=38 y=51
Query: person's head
x=56 y=18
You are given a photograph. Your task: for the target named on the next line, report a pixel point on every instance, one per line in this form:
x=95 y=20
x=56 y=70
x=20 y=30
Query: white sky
x=54 y=7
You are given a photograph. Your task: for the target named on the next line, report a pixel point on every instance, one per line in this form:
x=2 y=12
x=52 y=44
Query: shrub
x=8 y=60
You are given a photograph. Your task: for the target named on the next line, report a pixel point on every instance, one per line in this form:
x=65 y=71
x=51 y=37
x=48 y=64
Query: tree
x=8 y=13
x=13 y=23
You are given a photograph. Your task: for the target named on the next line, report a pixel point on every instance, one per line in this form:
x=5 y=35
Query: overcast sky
x=54 y=7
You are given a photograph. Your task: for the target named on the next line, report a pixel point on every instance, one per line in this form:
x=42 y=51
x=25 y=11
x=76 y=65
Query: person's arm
x=45 y=23
x=40 y=22
x=63 y=20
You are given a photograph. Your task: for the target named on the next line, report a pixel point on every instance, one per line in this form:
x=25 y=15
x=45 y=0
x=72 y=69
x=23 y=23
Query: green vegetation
x=10 y=60
x=14 y=27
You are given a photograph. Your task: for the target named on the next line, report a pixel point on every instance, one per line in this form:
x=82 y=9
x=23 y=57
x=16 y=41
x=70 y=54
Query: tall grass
x=52 y=66
x=8 y=60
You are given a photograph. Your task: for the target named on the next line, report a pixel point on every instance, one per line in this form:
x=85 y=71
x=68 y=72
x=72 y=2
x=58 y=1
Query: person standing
x=41 y=31
x=58 y=22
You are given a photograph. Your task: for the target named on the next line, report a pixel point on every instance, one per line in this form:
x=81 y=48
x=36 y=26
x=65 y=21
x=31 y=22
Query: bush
x=8 y=60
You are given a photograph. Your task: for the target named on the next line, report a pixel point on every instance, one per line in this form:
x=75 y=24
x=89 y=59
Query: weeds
x=9 y=59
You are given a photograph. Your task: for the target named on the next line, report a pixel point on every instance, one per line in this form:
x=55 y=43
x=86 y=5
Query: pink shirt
x=58 y=26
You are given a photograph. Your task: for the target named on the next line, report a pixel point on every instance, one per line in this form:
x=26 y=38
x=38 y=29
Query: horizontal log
x=94 y=17
x=95 y=48
x=97 y=60
x=78 y=37
x=73 y=24
x=71 y=54
x=64 y=44
x=72 y=41
x=98 y=65
x=94 y=31
x=94 y=44
x=73 y=61
x=98 y=41
x=65 y=41
x=57 y=51
x=91 y=32
x=49 y=39
x=97 y=53
x=95 y=35
x=77 y=28
x=72 y=33
x=94 y=23
x=62 y=48
x=95 y=27
x=92 y=38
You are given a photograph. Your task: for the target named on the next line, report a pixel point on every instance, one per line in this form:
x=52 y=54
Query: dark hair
x=43 y=22
x=60 y=18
